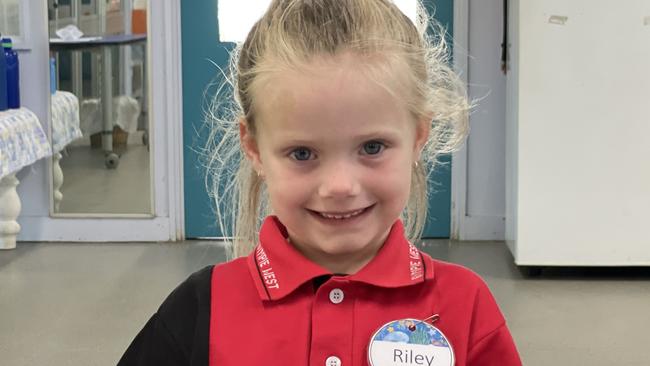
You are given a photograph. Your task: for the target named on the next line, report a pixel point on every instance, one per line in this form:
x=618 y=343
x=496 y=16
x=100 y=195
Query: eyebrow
x=390 y=134
x=375 y=134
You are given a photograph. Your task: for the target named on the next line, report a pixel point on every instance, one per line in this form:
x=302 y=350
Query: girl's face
x=336 y=152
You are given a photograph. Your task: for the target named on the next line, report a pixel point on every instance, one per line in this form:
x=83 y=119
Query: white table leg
x=107 y=100
x=77 y=86
x=9 y=211
x=112 y=159
x=57 y=180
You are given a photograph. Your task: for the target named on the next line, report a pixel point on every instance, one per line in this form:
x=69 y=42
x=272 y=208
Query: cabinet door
x=583 y=124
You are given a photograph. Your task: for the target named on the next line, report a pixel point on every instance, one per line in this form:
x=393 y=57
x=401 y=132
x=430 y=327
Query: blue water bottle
x=3 y=82
x=52 y=75
x=13 y=82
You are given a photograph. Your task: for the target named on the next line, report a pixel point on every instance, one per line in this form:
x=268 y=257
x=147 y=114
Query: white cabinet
x=578 y=133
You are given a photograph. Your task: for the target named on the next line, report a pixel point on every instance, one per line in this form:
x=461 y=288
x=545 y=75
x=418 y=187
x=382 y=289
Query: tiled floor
x=81 y=304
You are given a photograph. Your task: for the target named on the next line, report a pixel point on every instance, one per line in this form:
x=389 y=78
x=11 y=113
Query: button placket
x=332 y=323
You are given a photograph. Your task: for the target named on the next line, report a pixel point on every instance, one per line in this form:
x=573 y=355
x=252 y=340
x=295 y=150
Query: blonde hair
x=288 y=36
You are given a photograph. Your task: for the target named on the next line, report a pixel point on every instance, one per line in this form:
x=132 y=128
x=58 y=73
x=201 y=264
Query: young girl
x=343 y=108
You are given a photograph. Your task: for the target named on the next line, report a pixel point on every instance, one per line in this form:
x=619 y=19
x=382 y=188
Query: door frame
x=459 y=216
x=167 y=223
x=466 y=226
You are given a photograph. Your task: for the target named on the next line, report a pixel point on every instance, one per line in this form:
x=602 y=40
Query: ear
x=249 y=145
x=422 y=130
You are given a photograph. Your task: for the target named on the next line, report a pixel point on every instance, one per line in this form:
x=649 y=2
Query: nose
x=339 y=180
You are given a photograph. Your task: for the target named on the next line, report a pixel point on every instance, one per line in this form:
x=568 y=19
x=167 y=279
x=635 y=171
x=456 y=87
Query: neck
x=347 y=265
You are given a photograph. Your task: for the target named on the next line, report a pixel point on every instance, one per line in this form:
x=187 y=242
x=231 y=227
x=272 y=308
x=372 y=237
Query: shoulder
x=178 y=332
x=465 y=288
x=237 y=266
x=468 y=296
x=194 y=286
x=456 y=275
x=197 y=278
x=462 y=286
x=187 y=307
x=195 y=291
x=190 y=293
x=233 y=282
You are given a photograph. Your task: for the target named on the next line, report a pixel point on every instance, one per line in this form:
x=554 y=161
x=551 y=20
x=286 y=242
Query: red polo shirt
x=275 y=307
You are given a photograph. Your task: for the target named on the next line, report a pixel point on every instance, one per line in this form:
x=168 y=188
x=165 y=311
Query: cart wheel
x=145 y=138
x=112 y=161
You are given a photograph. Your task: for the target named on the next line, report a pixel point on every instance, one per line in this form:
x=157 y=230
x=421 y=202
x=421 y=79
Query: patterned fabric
x=22 y=140
x=65 y=120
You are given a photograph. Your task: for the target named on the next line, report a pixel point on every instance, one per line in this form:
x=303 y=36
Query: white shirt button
x=333 y=361
x=336 y=297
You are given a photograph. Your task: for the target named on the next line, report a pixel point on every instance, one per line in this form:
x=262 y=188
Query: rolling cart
x=104 y=46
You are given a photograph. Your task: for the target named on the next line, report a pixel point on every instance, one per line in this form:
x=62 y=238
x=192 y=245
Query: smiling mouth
x=341 y=215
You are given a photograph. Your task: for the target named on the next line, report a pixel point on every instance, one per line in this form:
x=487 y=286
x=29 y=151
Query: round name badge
x=409 y=342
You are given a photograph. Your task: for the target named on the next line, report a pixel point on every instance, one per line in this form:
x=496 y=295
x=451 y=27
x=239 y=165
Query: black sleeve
x=178 y=333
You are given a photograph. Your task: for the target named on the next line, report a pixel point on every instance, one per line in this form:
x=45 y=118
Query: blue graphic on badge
x=409 y=342
x=411 y=332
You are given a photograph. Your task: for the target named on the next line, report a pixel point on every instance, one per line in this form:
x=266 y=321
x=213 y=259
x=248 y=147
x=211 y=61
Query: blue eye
x=373 y=147
x=301 y=154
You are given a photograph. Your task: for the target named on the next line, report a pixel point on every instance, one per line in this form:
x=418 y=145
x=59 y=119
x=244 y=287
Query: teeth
x=340 y=217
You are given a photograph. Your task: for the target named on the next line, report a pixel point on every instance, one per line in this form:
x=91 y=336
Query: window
x=13 y=22
x=236 y=17
x=10 y=18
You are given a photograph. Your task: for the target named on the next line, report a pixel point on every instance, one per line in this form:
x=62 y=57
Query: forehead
x=333 y=92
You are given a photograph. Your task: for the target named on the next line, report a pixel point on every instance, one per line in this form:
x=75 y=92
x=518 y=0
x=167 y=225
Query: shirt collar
x=278 y=268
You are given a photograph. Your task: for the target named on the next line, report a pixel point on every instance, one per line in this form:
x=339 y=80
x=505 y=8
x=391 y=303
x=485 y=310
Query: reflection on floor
x=82 y=304
x=89 y=187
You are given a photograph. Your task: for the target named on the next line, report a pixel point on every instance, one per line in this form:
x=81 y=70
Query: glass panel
x=10 y=18
x=99 y=105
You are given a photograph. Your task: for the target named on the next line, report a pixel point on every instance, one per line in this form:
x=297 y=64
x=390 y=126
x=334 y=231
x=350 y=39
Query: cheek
x=285 y=188
x=393 y=181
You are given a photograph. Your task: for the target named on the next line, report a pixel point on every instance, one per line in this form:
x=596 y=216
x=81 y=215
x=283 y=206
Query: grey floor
x=90 y=188
x=81 y=304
